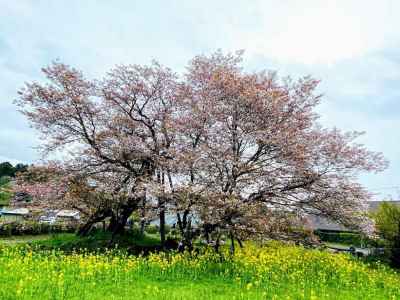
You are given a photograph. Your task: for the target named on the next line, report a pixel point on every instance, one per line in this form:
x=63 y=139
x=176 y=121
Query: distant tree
x=387 y=220
x=6 y=169
x=4 y=180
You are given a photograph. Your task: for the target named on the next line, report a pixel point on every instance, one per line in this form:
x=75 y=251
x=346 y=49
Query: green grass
x=98 y=241
x=337 y=245
x=274 y=271
x=23 y=239
x=144 y=288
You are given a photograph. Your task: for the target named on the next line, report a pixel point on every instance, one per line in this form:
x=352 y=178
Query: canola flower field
x=274 y=271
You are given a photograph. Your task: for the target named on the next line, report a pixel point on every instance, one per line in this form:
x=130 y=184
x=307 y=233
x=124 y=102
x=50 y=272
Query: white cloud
x=320 y=32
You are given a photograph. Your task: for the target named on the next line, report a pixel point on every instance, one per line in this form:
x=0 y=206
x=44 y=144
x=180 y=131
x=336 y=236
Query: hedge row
x=347 y=238
x=33 y=228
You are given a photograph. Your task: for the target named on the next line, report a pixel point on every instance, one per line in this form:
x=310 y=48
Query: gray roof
x=323 y=223
x=318 y=222
x=16 y=211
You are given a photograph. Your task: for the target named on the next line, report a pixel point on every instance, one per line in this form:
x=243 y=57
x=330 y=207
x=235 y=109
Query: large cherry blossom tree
x=239 y=153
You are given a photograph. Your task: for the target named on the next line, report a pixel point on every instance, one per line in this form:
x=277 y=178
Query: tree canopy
x=387 y=220
x=237 y=152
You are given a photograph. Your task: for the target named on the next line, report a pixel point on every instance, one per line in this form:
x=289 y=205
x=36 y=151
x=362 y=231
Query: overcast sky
x=352 y=46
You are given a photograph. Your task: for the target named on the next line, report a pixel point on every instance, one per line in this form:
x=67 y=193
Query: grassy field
x=22 y=239
x=274 y=271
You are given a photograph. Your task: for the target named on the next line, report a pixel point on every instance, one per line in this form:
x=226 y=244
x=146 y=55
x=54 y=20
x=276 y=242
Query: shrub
x=167 y=228
x=152 y=229
x=4 y=180
x=135 y=231
x=347 y=238
x=174 y=233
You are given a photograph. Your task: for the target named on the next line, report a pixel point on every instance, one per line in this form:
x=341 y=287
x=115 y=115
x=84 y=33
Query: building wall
x=11 y=218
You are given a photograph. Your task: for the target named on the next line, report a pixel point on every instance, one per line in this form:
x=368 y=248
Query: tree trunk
x=143 y=216
x=208 y=229
x=239 y=242
x=179 y=222
x=98 y=216
x=188 y=238
x=85 y=229
x=161 y=206
x=162 y=223
x=232 y=248
x=118 y=223
x=185 y=228
x=113 y=223
x=217 y=243
x=142 y=226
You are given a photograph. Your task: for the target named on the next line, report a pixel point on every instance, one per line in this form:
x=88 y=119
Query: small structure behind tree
x=14 y=215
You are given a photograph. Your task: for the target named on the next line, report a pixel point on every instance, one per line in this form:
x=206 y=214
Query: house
x=14 y=215
x=64 y=215
x=67 y=215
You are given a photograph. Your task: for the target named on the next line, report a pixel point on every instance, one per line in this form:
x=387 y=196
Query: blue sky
x=352 y=46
